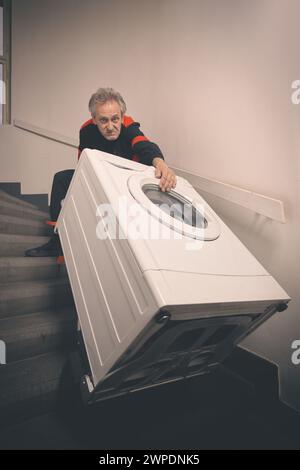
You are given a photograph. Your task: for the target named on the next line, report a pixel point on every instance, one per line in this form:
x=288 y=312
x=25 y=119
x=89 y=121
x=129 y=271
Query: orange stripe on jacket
x=139 y=138
x=127 y=121
x=87 y=123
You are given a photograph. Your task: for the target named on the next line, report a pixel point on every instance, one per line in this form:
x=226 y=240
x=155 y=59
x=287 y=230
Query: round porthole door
x=178 y=209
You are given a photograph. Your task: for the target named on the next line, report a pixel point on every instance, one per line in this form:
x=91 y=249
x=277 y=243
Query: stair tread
x=23 y=268
x=26 y=261
x=26 y=286
x=8 y=197
x=22 y=221
x=16 y=238
x=14 y=329
x=25 y=297
x=36 y=376
x=27 y=211
x=38 y=333
x=21 y=225
x=14 y=245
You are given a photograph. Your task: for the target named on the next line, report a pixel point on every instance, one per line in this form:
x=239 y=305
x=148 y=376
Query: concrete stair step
x=11 y=187
x=37 y=315
x=4 y=196
x=15 y=245
x=20 y=298
x=17 y=210
x=19 y=225
x=38 y=333
x=40 y=201
x=30 y=200
x=33 y=386
x=16 y=269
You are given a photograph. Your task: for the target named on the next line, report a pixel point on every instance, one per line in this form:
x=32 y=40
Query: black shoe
x=52 y=248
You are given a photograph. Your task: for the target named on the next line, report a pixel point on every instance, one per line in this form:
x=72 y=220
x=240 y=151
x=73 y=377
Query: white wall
x=210 y=80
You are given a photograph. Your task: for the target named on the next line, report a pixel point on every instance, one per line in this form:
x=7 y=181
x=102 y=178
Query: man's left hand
x=166 y=175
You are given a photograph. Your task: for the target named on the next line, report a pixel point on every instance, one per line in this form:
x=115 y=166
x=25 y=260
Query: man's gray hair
x=103 y=95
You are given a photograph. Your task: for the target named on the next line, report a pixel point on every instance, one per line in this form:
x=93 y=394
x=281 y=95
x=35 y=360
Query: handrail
x=263 y=205
x=62 y=139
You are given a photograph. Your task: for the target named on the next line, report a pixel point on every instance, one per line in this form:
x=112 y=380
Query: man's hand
x=166 y=175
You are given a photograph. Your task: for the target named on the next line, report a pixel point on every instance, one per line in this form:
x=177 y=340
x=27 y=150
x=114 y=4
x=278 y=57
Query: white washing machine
x=163 y=289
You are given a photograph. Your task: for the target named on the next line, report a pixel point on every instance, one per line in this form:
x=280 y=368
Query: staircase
x=235 y=408
x=37 y=315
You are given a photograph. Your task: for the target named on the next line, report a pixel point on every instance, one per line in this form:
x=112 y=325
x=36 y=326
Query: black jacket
x=131 y=143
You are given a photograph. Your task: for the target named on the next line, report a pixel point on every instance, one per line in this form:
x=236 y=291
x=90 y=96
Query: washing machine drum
x=181 y=209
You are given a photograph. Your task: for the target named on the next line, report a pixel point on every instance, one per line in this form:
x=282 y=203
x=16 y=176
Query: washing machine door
x=182 y=209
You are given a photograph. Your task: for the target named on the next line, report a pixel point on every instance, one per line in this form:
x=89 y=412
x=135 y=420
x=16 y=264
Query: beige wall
x=210 y=80
x=32 y=160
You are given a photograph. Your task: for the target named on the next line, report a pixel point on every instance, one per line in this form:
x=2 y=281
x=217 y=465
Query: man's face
x=108 y=119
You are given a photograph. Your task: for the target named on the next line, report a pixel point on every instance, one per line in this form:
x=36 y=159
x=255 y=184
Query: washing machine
x=163 y=289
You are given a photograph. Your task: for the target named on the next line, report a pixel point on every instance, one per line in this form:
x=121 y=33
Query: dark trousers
x=60 y=185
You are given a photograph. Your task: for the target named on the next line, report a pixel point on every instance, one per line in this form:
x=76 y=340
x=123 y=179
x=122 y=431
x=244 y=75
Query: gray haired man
x=109 y=130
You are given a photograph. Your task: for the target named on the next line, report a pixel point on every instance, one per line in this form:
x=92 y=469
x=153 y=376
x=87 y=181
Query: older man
x=109 y=130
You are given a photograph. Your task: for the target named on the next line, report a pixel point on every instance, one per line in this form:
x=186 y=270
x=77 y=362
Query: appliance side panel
x=112 y=300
